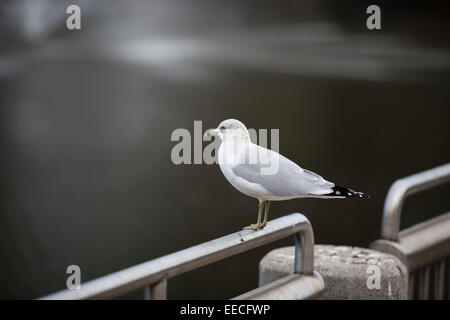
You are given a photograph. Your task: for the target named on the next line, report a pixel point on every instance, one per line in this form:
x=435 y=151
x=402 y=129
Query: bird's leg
x=258 y=223
x=266 y=214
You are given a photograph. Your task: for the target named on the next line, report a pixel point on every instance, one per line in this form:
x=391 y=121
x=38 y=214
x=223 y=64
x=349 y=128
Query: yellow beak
x=210 y=132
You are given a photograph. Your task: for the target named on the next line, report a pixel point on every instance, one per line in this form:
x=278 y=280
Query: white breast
x=227 y=164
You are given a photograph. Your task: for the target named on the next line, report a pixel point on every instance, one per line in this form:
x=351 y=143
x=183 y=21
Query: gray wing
x=289 y=180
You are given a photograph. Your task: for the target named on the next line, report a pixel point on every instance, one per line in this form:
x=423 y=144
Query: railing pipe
x=403 y=188
x=157 y=271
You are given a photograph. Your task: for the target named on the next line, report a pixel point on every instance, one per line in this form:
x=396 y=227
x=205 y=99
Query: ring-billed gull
x=265 y=174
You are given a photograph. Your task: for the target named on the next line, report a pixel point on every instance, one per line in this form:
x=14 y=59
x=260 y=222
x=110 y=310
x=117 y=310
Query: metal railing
x=153 y=275
x=424 y=247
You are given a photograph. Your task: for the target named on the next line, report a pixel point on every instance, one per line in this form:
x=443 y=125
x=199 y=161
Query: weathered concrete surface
x=345 y=270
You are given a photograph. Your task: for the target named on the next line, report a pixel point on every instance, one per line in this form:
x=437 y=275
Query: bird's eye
x=222 y=128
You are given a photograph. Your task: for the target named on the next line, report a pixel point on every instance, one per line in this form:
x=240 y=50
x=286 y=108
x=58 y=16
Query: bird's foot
x=254 y=226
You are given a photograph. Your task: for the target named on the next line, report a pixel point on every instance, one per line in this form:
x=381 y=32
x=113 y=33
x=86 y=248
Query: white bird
x=265 y=174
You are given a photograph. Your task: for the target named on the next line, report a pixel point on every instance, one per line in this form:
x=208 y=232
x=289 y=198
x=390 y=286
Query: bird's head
x=230 y=129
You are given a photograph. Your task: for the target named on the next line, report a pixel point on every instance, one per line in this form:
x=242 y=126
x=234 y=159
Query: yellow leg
x=257 y=225
x=266 y=214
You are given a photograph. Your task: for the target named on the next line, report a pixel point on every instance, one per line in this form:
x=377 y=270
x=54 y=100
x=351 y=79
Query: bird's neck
x=234 y=151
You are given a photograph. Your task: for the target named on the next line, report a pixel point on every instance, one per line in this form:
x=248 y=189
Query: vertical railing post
x=147 y=293
x=298 y=253
x=439 y=278
x=158 y=290
x=304 y=250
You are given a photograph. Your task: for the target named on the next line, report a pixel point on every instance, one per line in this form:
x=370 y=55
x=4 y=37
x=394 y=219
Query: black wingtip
x=339 y=191
x=365 y=196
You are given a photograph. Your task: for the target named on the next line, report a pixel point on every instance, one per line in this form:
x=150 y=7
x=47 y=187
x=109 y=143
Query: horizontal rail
x=160 y=269
x=404 y=187
x=421 y=244
x=291 y=287
x=423 y=247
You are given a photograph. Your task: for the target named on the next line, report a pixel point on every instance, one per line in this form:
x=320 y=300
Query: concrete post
x=348 y=272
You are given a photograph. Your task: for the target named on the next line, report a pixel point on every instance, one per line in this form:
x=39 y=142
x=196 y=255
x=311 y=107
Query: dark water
x=86 y=175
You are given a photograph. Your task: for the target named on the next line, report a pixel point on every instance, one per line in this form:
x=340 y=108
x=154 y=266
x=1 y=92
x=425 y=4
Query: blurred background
x=86 y=117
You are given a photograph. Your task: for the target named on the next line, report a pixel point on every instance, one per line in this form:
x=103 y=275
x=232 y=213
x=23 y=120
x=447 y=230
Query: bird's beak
x=211 y=132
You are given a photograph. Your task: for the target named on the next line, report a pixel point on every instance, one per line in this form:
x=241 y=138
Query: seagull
x=267 y=175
